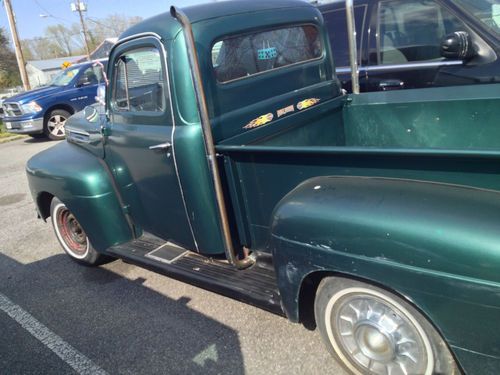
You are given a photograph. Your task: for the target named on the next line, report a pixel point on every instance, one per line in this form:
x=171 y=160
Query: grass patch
x=3 y=132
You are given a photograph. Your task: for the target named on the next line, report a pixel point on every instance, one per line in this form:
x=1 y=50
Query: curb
x=13 y=138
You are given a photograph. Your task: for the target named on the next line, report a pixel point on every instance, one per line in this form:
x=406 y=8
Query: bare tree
x=61 y=35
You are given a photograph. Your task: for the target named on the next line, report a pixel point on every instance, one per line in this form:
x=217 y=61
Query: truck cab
x=226 y=154
x=43 y=112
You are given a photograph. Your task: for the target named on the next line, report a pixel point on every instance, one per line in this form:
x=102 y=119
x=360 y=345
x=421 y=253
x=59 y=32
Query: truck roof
x=167 y=27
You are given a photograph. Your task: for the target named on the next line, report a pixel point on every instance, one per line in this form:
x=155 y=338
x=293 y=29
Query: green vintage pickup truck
x=228 y=156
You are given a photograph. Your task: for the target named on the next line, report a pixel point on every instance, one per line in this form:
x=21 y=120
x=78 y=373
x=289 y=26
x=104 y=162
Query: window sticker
x=267 y=53
x=307 y=103
x=259 y=121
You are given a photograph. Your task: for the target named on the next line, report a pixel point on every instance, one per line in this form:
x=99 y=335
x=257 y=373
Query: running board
x=256 y=285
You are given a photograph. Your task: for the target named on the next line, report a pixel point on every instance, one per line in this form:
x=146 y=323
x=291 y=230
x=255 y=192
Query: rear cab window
x=241 y=56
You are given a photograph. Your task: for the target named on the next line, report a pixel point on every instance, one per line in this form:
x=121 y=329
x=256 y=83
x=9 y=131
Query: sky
x=31 y=25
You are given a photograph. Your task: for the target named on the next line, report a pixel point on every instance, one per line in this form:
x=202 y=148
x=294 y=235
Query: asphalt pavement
x=57 y=317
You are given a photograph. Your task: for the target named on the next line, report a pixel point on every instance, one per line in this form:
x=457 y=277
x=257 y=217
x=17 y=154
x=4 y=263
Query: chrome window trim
x=399 y=67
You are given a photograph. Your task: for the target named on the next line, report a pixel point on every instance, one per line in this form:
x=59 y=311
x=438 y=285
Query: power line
x=49 y=14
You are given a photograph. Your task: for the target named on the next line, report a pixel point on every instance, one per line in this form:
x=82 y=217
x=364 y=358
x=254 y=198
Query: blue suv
x=44 y=111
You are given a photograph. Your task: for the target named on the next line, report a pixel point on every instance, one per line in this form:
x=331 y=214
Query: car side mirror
x=83 y=81
x=458 y=45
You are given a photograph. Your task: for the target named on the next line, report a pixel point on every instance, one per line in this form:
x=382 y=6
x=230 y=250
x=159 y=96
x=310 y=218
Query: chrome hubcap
x=378 y=337
x=56 y=125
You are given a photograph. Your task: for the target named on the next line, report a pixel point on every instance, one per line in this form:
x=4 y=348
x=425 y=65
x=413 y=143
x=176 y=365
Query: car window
x=486 y=11
x=92 y=75
x=336 y=25
x=245 y=55
x=139 y=84
x=64 y=77
x=412 y=30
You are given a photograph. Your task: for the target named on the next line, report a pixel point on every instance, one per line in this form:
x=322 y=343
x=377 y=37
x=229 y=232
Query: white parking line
x=61 y=348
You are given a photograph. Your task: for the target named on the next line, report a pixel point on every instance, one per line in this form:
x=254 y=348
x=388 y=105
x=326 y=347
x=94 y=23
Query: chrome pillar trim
x=208 y=140
x=353 y=48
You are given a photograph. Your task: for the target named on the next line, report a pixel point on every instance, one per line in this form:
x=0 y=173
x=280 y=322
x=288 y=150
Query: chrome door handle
x=391 y=84
x=161 y=146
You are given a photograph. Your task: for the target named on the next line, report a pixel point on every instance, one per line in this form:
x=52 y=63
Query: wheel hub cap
x=56 y=125
x=374 y=343
x=71 y=232
x=378 y=337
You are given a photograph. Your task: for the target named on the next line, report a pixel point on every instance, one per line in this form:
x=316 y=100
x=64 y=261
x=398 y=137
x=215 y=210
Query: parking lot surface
x=57 y=317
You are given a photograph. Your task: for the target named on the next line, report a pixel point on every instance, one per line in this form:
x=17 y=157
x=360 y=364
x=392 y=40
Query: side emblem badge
x=259 y=121
x=307 y=103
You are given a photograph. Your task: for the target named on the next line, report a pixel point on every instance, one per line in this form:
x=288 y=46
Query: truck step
x=256 y=285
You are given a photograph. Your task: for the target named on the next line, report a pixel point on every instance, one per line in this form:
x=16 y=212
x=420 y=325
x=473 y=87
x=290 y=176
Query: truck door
x=140 y=146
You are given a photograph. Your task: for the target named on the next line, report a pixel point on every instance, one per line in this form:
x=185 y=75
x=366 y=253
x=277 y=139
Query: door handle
x=161 y=146
x=391 y=84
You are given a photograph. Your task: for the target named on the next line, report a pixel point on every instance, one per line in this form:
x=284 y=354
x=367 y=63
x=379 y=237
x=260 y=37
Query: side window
x=139 y=85
x=244 y=55
x=92 y=75
x=336 y=25
x=412 y=30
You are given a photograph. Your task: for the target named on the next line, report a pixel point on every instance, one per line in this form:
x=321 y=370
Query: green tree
x=9 y=72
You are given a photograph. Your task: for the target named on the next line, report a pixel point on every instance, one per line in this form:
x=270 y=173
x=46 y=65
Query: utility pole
x=17 y=45
x=80 y=8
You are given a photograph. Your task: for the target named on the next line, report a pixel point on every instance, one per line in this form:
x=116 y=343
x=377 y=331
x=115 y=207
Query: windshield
x=64 y=77
x=486 y=11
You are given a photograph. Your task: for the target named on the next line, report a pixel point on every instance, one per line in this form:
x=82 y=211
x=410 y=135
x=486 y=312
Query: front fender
x=83 y=183
x=435 y=244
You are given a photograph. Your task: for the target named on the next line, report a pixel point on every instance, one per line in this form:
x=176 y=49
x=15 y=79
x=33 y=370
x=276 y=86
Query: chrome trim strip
x=353 y=49
x=172 y=141
x=211 y=154
x=409 y=66
x=136 y=36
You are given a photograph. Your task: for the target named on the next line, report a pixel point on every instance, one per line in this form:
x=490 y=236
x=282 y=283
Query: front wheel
x=54 y=124
x=72 y=237
x=372 y=331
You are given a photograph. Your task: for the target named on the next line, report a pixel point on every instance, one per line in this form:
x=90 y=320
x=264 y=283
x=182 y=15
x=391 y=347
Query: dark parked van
x=417 y=43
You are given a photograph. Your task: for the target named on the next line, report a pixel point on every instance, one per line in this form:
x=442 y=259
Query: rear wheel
x=72 y=237
x=372 y=331
x=54 y=124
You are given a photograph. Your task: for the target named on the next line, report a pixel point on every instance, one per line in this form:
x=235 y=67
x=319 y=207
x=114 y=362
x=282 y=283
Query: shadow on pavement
x=121 y=325
x=38 y=140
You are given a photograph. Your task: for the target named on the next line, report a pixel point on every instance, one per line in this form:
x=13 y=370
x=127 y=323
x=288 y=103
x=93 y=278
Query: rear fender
x=435 y=245
x=84 y=184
